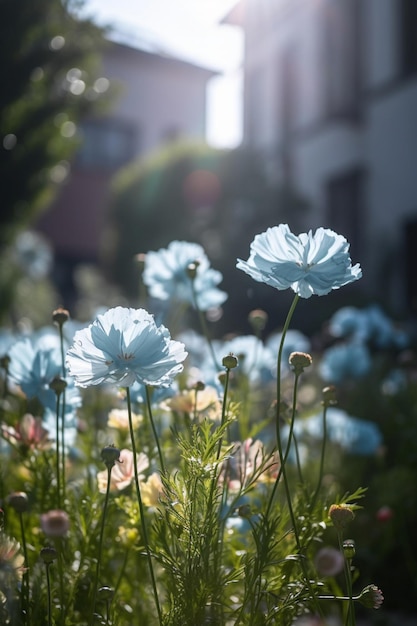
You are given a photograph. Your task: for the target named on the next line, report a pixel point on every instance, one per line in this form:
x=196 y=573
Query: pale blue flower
x=166 y=275
x=158 y=395
x=35 y=360
x=382 y=331
x=371 y=325
x=123 y=346
x=33 y=254
x=344 y=361
x=308 y=264
x=254 y=358
x=352 y=434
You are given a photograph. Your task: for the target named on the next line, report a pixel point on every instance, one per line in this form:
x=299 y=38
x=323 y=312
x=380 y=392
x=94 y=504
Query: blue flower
x=308 y=264
x=345 y=360
x=352 y=434
x=167 y=275
x=124 y=346
x=370 y=325
x=35 y=360
x=255 y=359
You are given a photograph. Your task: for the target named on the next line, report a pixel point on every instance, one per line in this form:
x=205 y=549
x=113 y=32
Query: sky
x=190 y=30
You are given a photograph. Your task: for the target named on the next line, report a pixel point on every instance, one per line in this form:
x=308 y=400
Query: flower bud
x=105 y=593
x=341 y=515
x=299 y=361
x=58 y=385
x=371 y=597
x=140 y=260
x=328 y=561
x=258 y=319
x=244 y=510
x=349 y=549
x=48 y=555
x=60 y=316
x=18 y=500
x=329 y=396
x=199 y=386
x=230 y=361
x=55 y=523
x=109 y=455
x=192 y=269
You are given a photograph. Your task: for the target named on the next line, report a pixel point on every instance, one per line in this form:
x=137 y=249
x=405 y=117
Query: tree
x=47 y=84
x=189 y=191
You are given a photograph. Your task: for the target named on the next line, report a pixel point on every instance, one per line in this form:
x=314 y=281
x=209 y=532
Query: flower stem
x=100 y=544
x=155 y=432
x=61 y=342
x=49 y=595
x=323 y=451
x=25 y=582
x=141 y=509
x=282 y=458
x=57 y=452
x=350 y=616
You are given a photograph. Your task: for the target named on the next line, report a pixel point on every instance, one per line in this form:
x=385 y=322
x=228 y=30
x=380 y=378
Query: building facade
x=153 y=97
x=330 y=101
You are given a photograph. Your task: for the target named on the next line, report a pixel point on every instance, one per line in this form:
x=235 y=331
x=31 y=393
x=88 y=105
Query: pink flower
x=371 y=597
x=123 y=472
x=247 y=463
x=28 y=434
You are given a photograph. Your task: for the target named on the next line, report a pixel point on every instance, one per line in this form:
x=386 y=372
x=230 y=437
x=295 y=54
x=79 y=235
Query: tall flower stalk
x=142 y=509
x=109 y=455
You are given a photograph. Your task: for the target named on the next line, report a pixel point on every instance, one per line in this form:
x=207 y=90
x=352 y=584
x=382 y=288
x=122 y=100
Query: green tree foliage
x=193 y=192
x=46 y=85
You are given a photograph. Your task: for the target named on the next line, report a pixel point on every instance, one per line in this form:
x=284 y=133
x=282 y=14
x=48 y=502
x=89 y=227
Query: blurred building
x=330 y=101
x=154 y=97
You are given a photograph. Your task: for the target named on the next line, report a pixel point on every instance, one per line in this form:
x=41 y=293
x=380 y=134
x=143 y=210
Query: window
x=342 y=49
x=106 y=144
x=345 y=208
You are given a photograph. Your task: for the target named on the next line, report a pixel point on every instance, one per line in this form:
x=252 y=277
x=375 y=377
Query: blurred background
x=127 y=125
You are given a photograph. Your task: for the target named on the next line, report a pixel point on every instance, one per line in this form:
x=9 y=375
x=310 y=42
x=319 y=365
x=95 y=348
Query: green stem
x=63 y=475
x=278 y=404
x=25 y=582
x=49 y=595
x=141 y=508
x=57 y=453
x=154 y=430
x=62 y=347
x=100 y=545
x=350 y=617
x=322 y=456
x=224 y=406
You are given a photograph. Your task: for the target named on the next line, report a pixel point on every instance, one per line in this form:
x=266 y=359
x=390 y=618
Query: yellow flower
x=128 y=537
x=204 y=403
x=119 y=419
x=151 y=490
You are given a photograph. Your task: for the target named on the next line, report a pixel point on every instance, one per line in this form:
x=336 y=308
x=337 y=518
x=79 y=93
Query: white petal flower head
x=166 y=275
x=307 y=263
x=123 y=346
